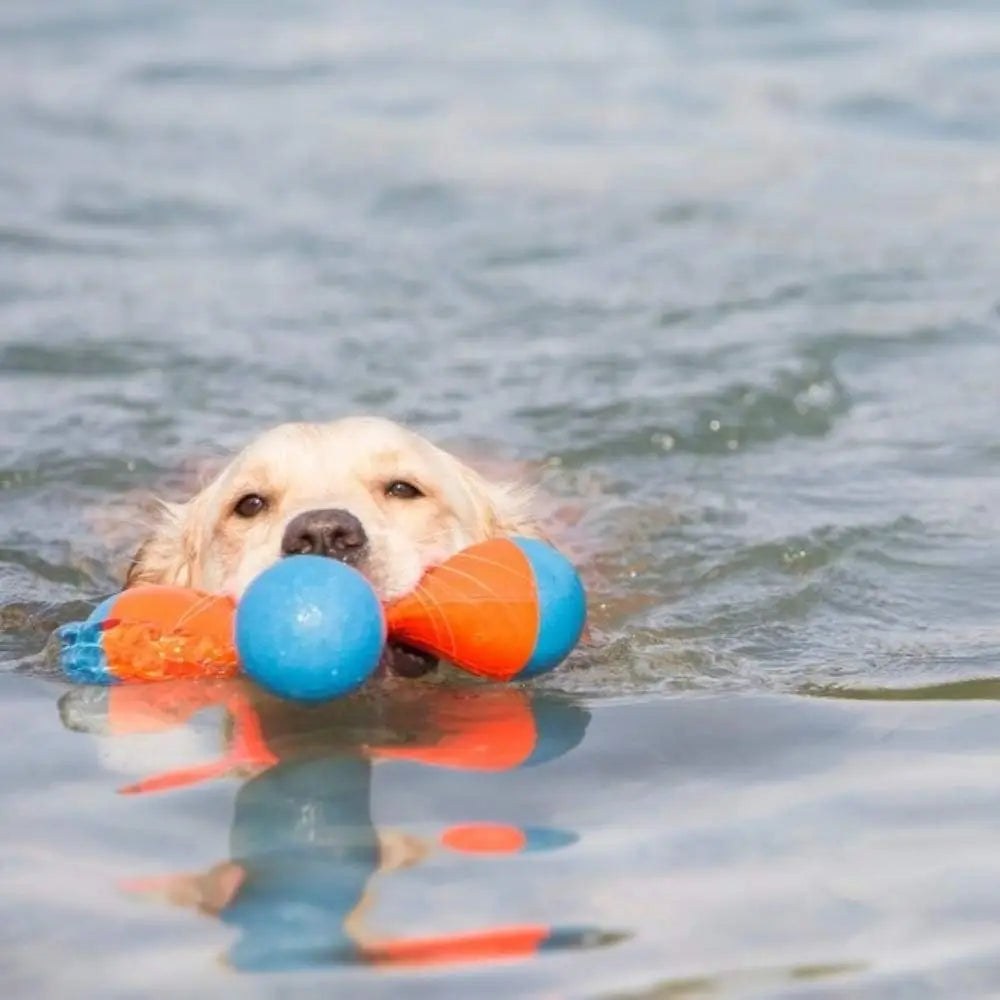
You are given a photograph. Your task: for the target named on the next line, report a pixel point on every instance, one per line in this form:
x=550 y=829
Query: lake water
x=723 y=276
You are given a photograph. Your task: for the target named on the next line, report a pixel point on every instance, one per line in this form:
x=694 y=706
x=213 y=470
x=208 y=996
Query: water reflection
x=304 y=850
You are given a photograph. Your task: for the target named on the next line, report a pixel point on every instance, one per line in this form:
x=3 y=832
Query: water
x=722 y=276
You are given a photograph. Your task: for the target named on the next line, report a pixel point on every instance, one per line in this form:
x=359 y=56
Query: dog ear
x=514 y=513
x=170 y=554
x=501 y=508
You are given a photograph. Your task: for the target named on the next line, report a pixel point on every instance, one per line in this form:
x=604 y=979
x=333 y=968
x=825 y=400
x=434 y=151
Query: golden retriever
x=363 y=490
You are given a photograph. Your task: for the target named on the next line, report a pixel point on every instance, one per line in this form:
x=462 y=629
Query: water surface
x=722 y=277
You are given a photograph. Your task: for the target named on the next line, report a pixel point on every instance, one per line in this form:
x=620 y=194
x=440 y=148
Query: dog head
x=362 y=490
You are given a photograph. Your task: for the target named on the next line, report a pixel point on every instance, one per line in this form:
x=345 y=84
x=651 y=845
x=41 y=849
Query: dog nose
x=334 y=533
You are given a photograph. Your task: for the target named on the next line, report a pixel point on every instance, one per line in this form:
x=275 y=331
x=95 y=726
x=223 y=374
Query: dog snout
x=337 y=534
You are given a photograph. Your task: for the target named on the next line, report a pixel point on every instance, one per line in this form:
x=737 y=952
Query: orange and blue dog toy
x=311 y=628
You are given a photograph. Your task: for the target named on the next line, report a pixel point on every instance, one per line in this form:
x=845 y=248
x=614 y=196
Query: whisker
x=435 y=537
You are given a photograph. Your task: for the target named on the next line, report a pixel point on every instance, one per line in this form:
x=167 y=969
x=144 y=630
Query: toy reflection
x=304 y=850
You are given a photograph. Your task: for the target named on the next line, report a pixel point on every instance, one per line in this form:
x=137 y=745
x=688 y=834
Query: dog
x=363 y=490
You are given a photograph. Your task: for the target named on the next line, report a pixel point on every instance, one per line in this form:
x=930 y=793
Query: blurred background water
x=721 y=273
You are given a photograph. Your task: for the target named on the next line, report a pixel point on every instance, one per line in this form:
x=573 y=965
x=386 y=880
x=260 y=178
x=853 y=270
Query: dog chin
x=390 y=587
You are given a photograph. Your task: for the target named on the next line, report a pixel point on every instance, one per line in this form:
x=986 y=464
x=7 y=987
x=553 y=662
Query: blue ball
x=562 y=607
x=309 y=629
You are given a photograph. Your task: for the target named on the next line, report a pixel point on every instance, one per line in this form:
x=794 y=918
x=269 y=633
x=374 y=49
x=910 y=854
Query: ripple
x=116 y=19
x=149 y=214
x=77 y=360
x=797 y=404
x=715 y=311
x=215 y=74
x=794 y=403
x=805 y=554
x=419 y=203
x=893 y=114
x=26 y=630
x=107 y=473
x=26 y=239
x=60 y=568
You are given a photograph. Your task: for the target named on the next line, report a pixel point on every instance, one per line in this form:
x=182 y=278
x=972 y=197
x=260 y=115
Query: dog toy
x=506 y=609
x=311 y=628
x=151 y=633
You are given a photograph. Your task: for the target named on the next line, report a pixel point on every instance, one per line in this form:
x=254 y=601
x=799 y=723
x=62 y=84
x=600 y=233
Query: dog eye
x=402 y=490
x=250 y=505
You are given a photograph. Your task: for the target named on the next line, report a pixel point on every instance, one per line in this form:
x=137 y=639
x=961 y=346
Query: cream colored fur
x=347 y=464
